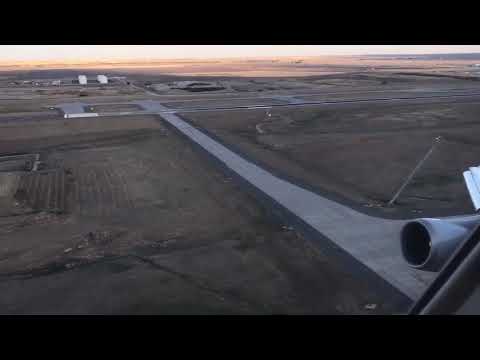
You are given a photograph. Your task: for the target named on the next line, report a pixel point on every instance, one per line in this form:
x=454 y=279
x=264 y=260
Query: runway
x=291 y=101
x=295 y=102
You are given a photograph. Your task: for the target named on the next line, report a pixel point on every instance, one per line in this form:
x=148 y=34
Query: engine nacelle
x=428 y=243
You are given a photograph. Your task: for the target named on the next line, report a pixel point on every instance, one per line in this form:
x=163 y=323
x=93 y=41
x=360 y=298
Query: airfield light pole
x=412 y=174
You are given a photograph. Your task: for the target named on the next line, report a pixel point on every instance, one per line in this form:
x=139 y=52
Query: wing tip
x=472 y=183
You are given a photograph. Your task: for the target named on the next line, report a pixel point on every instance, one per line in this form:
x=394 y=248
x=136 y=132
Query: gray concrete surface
x=151 y=105
x=295 y=101
x=372 y=241
x=72 y=108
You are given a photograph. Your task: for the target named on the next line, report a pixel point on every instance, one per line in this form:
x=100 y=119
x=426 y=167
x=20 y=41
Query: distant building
x=102 y=79
x=56 y=82
x=82 y=79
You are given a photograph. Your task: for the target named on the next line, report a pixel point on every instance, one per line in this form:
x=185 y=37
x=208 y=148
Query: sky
x=124 y=52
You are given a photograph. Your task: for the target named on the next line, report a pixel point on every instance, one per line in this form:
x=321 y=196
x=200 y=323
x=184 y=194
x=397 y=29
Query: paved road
x=300 y=96
x=304 y=92
x=294 y=101
x=372 y=241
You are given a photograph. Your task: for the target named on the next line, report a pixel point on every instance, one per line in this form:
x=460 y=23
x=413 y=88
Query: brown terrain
x=362 y=154
x=132 y=220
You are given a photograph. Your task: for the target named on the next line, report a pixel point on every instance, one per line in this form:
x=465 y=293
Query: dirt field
x=19 y=107
x=363 y=153
x=11 y=131
x=67 y=91
x=133 y=221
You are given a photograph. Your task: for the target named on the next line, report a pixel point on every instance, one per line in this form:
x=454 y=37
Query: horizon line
x=13 y=62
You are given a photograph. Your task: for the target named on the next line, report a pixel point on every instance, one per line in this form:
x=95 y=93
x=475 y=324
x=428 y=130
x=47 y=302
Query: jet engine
x=428 y=243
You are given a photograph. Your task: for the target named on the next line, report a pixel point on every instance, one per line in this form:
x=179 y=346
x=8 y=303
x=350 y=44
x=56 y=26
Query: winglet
x=472 y=180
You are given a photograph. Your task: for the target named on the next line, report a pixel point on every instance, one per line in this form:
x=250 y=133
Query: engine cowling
x=428 y=243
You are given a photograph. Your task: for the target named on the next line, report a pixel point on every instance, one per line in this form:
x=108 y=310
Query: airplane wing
x=472 y=180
